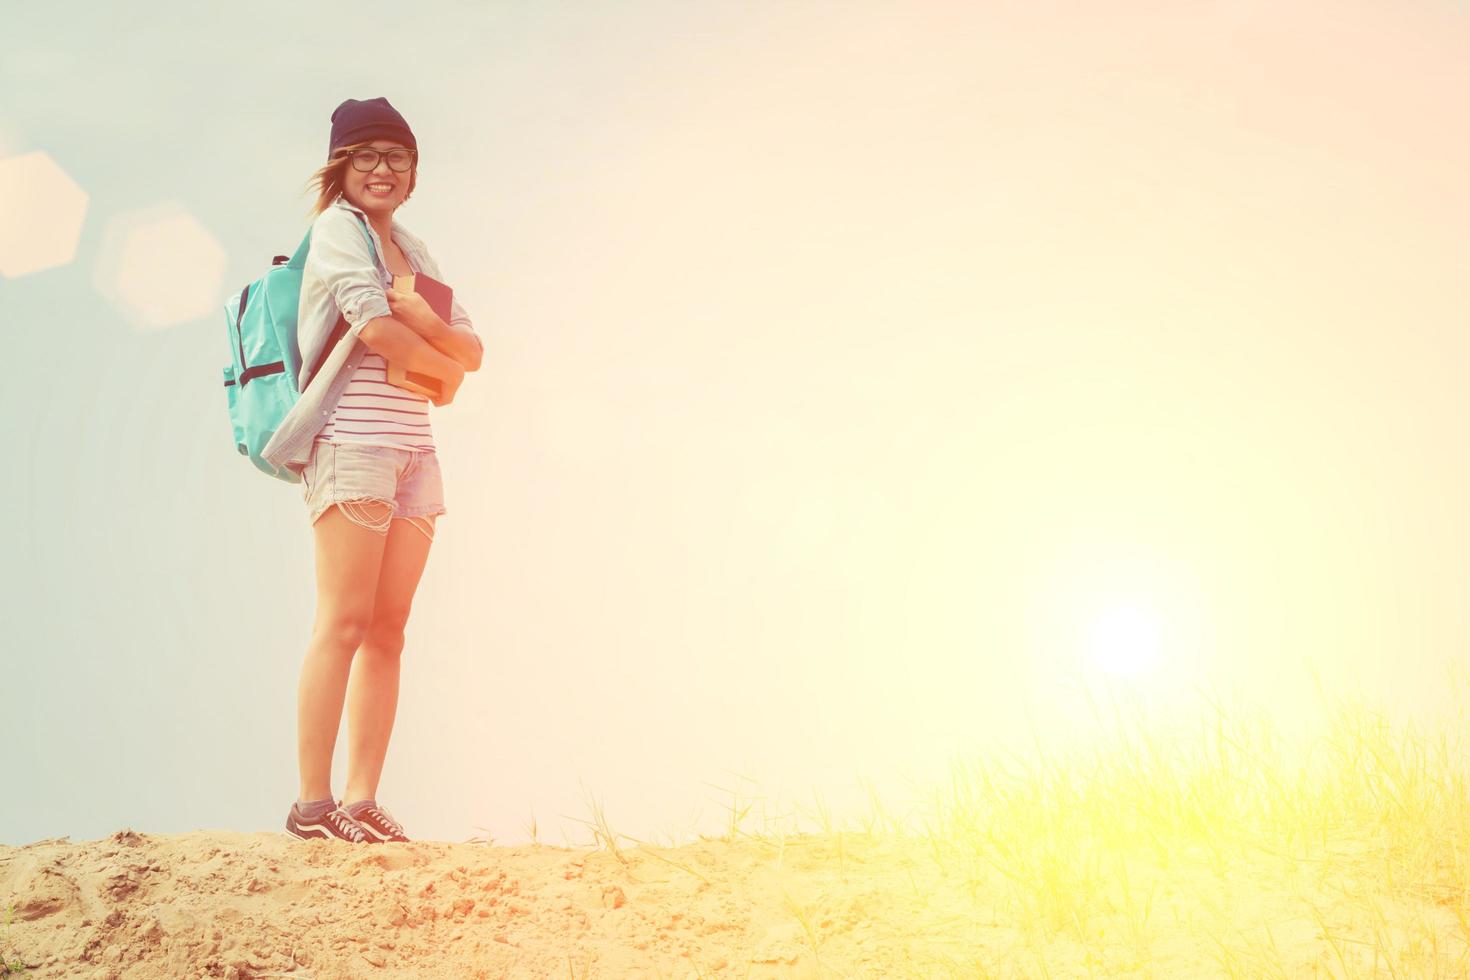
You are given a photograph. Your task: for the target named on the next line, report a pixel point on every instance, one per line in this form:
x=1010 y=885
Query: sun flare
x=1124 y=640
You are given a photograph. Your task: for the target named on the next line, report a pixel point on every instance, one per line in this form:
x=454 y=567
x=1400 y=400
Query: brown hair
x=331 y=178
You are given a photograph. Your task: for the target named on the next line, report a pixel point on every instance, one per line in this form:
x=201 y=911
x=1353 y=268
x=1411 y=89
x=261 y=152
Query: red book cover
x=439 y=296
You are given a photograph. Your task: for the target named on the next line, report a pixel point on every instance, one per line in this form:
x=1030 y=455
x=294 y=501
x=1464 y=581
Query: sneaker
x=334 y=823
x=379 y=824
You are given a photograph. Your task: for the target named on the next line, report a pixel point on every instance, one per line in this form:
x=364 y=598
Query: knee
x=385 y=635
x=344 y=632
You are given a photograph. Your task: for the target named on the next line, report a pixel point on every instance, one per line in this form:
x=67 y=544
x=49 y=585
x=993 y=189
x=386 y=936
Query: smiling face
x=381 y=190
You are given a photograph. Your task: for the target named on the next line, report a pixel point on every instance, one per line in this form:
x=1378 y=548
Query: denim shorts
x=407 y=479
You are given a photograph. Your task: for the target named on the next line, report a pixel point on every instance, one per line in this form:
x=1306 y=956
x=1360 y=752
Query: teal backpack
x=265 y=359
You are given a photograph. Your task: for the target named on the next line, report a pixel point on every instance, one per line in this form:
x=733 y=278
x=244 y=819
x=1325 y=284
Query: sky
x=866 y=385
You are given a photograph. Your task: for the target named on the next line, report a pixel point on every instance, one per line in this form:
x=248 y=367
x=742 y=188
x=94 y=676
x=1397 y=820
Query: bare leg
x=373 y=702
x=348 y=557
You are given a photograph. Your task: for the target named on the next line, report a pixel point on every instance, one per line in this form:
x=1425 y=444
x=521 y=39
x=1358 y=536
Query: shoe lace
x=384 y=818
x=347 y=825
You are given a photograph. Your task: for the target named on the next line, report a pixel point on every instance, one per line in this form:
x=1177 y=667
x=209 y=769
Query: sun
x=1124 y=639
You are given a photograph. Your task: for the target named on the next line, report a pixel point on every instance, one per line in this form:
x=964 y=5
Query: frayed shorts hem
x=408 y=483
x=397 y=516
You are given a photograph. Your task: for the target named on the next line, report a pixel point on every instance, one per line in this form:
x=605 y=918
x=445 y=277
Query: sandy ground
x=239 y=906
x=220 y=904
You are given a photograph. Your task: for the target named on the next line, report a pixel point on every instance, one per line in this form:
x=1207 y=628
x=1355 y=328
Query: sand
x=233 y=905
x=241 y=906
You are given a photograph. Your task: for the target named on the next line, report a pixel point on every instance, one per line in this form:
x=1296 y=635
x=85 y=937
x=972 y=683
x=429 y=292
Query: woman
x=365 y=451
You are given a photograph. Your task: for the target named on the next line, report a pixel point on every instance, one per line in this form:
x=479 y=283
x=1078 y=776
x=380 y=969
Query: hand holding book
x=413 y=299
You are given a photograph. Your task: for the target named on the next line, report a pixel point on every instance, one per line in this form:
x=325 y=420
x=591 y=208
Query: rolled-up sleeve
x=342 y=258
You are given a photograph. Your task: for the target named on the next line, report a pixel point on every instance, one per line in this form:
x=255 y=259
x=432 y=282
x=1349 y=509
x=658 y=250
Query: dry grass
x=1221 y=853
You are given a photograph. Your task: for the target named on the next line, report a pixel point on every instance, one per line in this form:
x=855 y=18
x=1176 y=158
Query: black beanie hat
x=358 y=121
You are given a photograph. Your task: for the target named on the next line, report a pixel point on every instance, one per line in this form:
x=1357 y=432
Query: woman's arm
x=457 y=342
x=341 y=259
x=401 y=345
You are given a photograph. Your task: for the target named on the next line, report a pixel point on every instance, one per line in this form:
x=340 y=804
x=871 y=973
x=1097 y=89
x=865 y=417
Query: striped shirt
x=374 y=412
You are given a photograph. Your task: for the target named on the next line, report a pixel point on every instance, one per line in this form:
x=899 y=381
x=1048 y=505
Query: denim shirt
x=341 y=275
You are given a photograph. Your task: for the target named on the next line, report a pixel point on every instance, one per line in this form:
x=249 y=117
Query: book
x=441 y=300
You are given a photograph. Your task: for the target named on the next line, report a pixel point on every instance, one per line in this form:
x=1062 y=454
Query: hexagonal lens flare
x=161 y=267
x=41 y=212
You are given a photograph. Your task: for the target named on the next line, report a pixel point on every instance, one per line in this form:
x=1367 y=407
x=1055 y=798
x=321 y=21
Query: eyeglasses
x=398 y=160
